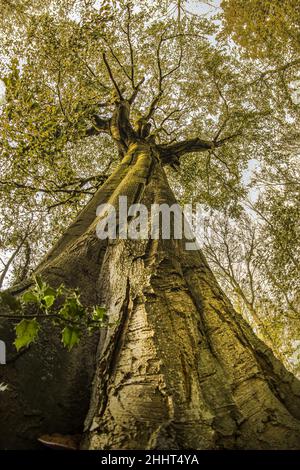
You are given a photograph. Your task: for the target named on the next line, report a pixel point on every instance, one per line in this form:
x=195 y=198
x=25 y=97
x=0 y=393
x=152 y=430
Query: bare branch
x=222 y=127
x=227 y=115
x=59 y=96
x=112 y=77
x=15 y=253
x=153 y=106
x=63 y=189
x=136 y=90
x=156 y=99
x=219 y=143
x=89 y=68
x=114 y=55
x=282 y=68
x=162 y=76
x=217 y=157
x=176 y=66
x=9 y=262
x=170 y=114
x=128 y=34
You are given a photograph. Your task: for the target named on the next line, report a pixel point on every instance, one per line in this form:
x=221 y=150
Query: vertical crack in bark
x=107 y=364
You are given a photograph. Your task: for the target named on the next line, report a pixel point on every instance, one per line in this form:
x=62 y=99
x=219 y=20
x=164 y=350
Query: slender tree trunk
x=178 y=368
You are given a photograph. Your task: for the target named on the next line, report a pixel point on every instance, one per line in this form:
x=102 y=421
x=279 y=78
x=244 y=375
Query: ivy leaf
x=29 y=297
x=72 y=308
x=70 y=337
x=26 y=333
x=39 y=282
x=49 y=291
x=49 y=300
x=99 y=314
x=9 y=300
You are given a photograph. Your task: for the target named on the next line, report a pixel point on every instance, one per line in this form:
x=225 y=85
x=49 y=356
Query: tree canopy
x=264 y=27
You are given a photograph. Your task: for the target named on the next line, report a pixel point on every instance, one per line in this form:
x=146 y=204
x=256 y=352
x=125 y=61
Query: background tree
x=268 y=31
x=244 y=259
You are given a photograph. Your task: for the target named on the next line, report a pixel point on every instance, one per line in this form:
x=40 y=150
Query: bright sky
x=203 y=7
x=2 y=92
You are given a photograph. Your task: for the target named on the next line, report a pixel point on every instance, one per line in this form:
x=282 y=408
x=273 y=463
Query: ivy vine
x=61 y=306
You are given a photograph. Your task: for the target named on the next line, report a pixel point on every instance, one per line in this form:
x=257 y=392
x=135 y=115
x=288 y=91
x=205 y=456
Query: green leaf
x=70 y=337
x=72 y=308
x=29 y=297
x=99 y=314
x=9 y=300
x=39 y=282
x=50 y=291
x=73 y=304
x=60 y=290
x=49 y=300
x=26 y=333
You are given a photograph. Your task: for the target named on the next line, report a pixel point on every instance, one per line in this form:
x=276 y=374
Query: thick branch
x=192 y=145
x=99 y=126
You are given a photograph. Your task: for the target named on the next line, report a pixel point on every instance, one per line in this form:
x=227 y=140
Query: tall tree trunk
x=178 y=368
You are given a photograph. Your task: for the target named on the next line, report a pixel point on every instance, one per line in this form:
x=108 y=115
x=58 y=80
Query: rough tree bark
x=179 y=369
